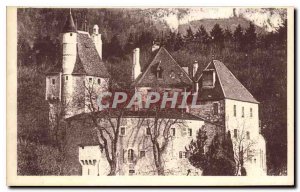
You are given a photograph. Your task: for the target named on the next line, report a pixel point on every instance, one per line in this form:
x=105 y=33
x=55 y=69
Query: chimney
x=96 y=37
x=195 y=68
x=155 y=46
x=136 y=63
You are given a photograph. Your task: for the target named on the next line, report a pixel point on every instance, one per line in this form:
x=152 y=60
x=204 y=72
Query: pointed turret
x=69 y=25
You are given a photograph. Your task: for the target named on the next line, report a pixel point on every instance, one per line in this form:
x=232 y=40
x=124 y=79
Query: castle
x=225 y=105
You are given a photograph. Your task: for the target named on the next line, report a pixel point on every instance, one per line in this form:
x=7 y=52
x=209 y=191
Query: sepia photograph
x=193 y=92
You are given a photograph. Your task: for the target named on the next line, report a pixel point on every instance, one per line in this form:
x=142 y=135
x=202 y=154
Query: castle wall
x=136 y=139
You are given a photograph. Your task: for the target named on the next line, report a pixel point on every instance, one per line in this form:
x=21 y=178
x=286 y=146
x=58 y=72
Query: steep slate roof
x=227 y=85
x=164 y=60
x=88 y=61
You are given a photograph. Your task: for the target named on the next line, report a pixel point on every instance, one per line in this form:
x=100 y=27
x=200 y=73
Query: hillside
x=230 y=23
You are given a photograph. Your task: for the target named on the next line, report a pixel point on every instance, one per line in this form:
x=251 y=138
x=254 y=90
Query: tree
x=250 y=36
x=114 y=48
x=243 y=149
x=215 y=159
x=196 y=150
x=179 y=42
x=238 y=37
x=217 y=36
x=202 y=37
x=189 y=37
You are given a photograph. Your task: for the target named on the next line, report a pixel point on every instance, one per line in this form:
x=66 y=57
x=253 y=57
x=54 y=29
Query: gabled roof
x=88 y=61
x=169 y=67
x=231 y=87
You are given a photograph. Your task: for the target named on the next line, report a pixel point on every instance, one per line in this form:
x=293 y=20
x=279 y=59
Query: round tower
x=69 y=46
x=69 y=41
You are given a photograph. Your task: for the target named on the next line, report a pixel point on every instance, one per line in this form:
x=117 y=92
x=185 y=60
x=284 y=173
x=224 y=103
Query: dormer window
x=208 y=79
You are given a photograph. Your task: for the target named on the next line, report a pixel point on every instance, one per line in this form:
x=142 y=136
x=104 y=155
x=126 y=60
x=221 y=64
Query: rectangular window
x=53 y=81
x=67 y=78
x=131 y=172
x=180 y=154
x=243 y=112
x=130 y=155
x=99 y=81
x=190 y=132
x=216 y=108
x=122 y=131
x=248 y=134
x=90 y=79
x=251 y=112
x=173 y=133
x=234 y=110
x=142 y=153
x=235 y=133
x=148 y=131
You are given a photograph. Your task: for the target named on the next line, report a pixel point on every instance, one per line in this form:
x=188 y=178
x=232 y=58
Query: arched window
x=130 y=155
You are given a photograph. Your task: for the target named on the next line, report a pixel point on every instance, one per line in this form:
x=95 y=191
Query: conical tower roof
x=69 y=25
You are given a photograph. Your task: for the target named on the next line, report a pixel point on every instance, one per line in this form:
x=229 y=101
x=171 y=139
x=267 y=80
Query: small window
x=130 y=155
x=90 y=80
x=71 y=34
x=173 y=133
x=67 y=78
x=122 y=131
x=148 y=131
x=216 y=108
x=243 y=112
x=180 y=154
x=142 y=153
x=190 y=132
x=251 y=112
x=53 y=81
x=248 y=135
x=235 y=133
x=131 y=172
x=99 y=81
x=234 y=110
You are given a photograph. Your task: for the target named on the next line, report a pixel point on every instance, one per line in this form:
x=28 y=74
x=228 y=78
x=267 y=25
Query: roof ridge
x=235 y=79
x=219 y=78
